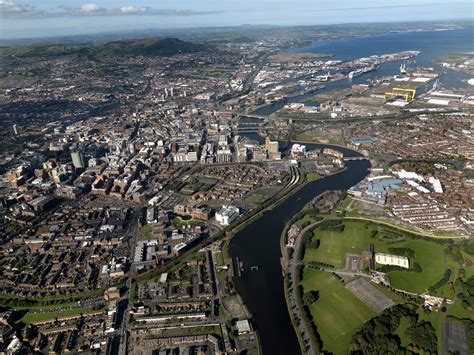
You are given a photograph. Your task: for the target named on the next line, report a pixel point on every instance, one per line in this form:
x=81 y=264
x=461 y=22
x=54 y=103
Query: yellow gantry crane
x=408 y=94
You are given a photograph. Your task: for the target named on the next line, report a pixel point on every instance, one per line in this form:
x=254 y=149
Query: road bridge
x=355 y=158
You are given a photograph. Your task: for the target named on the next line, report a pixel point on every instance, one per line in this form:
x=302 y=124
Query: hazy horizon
x=35 y=19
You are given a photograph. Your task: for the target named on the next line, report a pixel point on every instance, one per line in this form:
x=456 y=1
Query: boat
x=403 y=68
x=370 y=68
x=355 y=73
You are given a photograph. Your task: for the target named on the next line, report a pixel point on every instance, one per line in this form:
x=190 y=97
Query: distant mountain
x=147 y=47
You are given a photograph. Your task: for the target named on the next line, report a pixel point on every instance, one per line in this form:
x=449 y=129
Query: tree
x=417 y=267
x=310 y=297
x=424 y=335
x=314 y=243
x=31 y=332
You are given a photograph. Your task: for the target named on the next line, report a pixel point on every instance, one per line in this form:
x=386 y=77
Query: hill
x=147 y=47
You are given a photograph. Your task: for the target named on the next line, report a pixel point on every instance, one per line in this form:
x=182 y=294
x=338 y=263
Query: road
x=297 y=310
x=122 y=331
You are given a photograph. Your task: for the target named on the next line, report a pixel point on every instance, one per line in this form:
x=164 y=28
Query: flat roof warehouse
x=388 y=259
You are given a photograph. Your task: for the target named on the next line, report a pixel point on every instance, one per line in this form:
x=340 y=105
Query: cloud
x=9 y=9
x=382 y=7
x=131 y=9
x=90 y=8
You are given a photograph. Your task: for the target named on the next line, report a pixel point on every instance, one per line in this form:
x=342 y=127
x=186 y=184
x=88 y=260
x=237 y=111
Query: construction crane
x=408 y=94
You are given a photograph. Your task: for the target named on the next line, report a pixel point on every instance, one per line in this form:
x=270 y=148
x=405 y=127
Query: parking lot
x=368 y=294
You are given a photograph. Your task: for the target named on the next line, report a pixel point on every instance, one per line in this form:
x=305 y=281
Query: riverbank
x=300 y=324
x=258 y=244
x=411 y=231
x=325 y=250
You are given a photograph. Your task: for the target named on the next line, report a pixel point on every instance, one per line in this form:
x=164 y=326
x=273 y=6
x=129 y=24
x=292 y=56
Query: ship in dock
x=355 y=73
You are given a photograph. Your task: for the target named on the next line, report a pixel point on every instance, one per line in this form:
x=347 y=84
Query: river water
x=432 y=44
x=258 y=244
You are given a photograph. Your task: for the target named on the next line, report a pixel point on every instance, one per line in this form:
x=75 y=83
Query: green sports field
x=357 y=237
x=338 y=314
x=335 y=245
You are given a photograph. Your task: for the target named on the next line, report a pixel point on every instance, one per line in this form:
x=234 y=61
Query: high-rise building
x=78 y=160
x=271 y=146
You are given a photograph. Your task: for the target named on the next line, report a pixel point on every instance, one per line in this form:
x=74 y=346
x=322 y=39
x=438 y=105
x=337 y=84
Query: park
x=436 y=265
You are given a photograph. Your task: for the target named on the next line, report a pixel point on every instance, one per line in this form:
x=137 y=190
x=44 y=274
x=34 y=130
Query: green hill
x=147 y=47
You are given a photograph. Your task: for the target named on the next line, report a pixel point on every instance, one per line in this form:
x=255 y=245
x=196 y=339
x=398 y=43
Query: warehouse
x=388 y=259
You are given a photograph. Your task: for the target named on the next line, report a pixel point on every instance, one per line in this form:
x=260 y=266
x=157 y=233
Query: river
x=432 y=44
x=258 y=244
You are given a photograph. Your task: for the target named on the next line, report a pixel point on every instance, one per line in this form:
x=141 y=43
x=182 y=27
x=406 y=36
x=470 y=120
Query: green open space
x=178 y=222
x=358 y=235
x=345 y=203
x=55 y=306
x=312 y=176
x=399 y=228
x=218 y=74
x=307 y=219
x=18 y=302
x=337 y=313
x=36 y=317
x=133 y=291
x=433 y=257
x=255 y=199
x=219 y=257
x=145 y=229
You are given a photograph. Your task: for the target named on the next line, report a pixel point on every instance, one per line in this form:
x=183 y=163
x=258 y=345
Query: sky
x=44 y=18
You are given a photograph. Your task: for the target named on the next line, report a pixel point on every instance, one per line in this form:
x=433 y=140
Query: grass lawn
x=356 y=238
x=312 y=176
x=133 y=291
x=305 y=219
x=394 y=296
x=335 y=245
x=48 y=302
x=219 y=257
x=145 y=229
x=345 y=203
x=35 y=317
x=178 y=222
x=305 y=137
x=457 y=311
x=55 y=306
x=430 y=256
x=255 y=199
x=404 y=325
x=338 y=314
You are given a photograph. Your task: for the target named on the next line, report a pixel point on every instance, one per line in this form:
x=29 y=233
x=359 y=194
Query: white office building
x=227 y=215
